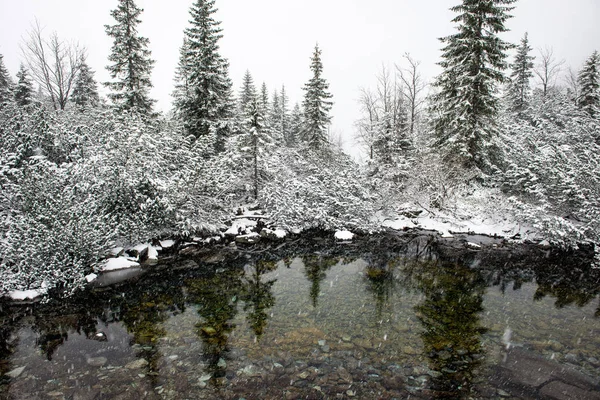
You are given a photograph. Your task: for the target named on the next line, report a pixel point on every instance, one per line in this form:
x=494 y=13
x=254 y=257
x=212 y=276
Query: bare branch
x=414 y=85
x=548 y=69
x=54 y=64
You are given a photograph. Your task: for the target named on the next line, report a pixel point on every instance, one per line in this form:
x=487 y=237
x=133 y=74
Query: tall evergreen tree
x=589 y=85
x=264 y=97
x=316 y=106
x=274 y=116
x=206 y=106
x=522 y=71
x=85 y=91
x=24 y=89
x=247 y=92
x=295 y=129
x=131 y=63
x=257 y=136
x=284 y=114
x=5 y=82
x=473 y=63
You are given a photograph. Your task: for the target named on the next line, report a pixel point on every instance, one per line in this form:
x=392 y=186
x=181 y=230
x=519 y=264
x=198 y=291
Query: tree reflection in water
x=258 y=295
x=217 y=301
x=315 y=270
x=450 y=316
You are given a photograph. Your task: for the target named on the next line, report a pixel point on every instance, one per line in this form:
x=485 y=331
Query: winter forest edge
x=500 y=141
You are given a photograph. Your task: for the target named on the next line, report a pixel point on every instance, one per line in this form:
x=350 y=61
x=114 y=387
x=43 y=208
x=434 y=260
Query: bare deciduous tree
x=413 y=86
x=367 y=125
x=572 y=84
x=548 y=69
x=54 y=64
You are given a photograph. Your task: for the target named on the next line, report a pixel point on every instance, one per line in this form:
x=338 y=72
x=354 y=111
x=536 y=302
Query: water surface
x=409 y=319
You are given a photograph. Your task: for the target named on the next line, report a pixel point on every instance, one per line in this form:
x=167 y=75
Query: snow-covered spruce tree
x=247 y=92
x=24 y=89
x=316 y=106
x=466 y=105
x=264 y=97
x=206 y=106
x=519 y=89
x=283 y=122
x=258 y=139
x=5 y=82
x=589 y=85
x=85 y=90
x=131 y=64
x=295 y=128
x=275 y=117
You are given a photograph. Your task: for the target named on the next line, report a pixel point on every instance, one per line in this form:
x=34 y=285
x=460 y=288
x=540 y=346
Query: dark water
x=392 y=317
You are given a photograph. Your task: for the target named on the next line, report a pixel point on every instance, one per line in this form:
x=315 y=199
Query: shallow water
x=316 y=325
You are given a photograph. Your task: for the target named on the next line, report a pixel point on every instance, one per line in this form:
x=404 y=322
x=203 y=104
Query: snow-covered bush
x=306 y=189
x=54 y=232
x=551 y=164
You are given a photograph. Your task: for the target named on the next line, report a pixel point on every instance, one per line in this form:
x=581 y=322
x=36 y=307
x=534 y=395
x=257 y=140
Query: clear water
x=365 y=325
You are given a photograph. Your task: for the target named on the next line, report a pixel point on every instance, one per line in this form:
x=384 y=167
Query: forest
x=507 y=140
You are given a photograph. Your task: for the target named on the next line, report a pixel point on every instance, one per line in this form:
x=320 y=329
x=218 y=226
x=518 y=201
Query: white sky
x=274 y=39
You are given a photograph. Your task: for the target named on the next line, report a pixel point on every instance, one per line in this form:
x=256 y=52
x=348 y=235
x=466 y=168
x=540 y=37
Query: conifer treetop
x=131 y=64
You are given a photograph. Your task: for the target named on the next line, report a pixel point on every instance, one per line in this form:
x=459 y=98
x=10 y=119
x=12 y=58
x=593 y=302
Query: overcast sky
x=274 y=39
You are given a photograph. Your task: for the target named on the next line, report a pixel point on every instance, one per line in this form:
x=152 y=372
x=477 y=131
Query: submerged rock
x=137 y=364
x=97 y=361
x=15 y=372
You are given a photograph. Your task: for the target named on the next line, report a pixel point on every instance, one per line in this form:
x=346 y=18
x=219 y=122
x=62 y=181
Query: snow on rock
x=91 y=278
x=249 y=238
x=399 y=224
x=280 y=233
x=344 y=235
x=273 y=234
x=117 y=251
x=113 y=264
x=240 y=226
x=544 y=244
x=166 y=244
x=26 y=294
x=474 y=246
x=152 y=253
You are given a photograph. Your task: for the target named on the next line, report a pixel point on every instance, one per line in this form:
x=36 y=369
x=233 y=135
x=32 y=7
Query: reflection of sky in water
x=338 y=325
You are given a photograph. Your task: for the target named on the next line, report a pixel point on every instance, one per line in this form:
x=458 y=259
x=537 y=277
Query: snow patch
x=113 y=264
x=344 y=235
x=472 y=245
x=26 y=294
x=152 y=253
x=399 y=224
x=166 y=244
x=91 y=278
x=280 y=233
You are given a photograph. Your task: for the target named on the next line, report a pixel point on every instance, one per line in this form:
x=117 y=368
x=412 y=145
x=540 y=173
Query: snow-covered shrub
x=54 y=231
x=306 y=189
x=551 y=163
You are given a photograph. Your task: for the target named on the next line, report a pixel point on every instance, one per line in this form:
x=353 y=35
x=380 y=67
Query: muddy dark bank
x=386 y=316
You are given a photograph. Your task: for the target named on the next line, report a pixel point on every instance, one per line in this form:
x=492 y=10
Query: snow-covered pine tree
x=466 y=105
x=589 y=85
x=206 y=106
x=24 y=89
x=316 y=106
x=247 y=92
x=295 y=126
x=85 y=90
x=522 y=71
x=131 y=64
x=5 y=82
